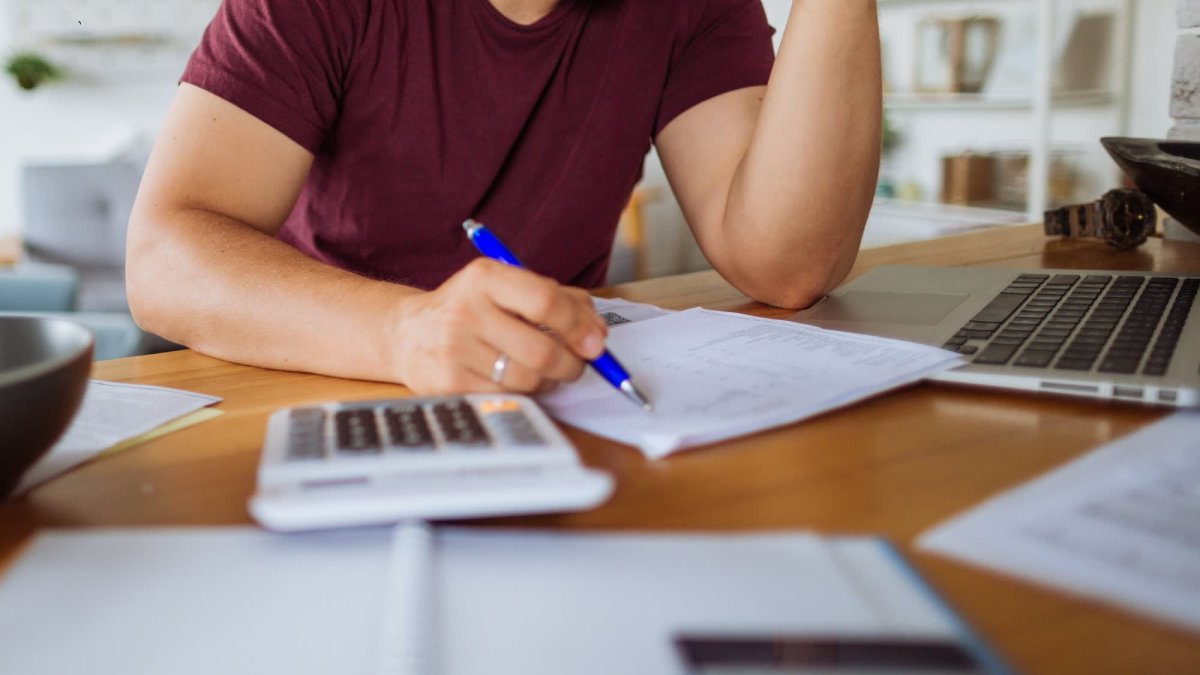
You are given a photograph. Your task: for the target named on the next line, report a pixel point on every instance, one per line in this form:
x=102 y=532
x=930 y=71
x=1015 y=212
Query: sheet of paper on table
x=716 y=375
x=112 y=413
x=1120 y=524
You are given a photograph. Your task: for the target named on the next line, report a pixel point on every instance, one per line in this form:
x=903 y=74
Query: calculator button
x=459 y=423
x=407 y=427
x=305 y=434
x=514 y=427
x=356 y=431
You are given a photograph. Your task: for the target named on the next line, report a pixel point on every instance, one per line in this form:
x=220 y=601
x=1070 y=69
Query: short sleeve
x=282 y=61
x=727 y=46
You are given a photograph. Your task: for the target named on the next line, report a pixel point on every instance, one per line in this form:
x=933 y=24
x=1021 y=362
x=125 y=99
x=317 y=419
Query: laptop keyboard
x=1106 y=323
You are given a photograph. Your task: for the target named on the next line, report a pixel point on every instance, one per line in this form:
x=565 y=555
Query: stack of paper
x=1121 y=524
x=716 y=375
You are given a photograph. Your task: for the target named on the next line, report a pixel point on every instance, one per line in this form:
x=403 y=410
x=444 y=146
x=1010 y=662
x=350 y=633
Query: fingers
x=448 y=340
x=541 y=301
x=533 y=354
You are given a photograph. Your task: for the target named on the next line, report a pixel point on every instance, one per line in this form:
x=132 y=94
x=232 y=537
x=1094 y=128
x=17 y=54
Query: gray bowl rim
x=42 y=367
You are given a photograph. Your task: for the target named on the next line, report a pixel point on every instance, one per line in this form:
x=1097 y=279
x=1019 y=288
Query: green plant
x=891 y=137
x=31 y=69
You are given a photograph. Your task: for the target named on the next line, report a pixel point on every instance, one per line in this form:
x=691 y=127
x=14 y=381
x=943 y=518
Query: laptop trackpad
x=918 y=309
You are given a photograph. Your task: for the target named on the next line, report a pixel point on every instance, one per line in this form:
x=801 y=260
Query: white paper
x=183 y=601
x=1120 y=524
x=596 y=604
x=194 y=601
x=618 y=312
x=716 y=375
x=111 y=412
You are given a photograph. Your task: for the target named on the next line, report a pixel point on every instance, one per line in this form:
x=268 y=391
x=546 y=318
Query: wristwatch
x=1123 y=218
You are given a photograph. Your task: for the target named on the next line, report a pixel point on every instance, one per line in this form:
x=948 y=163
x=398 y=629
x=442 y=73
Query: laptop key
x=1119 y=366
x=1000 y=308
x=1035 y=358
x=996 y=355
x=989 y=326
x=1074 y=364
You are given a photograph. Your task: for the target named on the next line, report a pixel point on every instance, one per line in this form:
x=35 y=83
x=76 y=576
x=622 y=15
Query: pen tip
x=636 y=396
x=470 y=225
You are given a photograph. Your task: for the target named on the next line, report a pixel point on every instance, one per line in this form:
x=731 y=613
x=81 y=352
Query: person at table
x=303 y=204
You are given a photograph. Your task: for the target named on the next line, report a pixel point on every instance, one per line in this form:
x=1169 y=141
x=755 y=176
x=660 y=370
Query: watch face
x=1129 y=217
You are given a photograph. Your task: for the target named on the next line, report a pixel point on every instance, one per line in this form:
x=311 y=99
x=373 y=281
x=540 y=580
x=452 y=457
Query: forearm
x=803 y=190
x=225 y=289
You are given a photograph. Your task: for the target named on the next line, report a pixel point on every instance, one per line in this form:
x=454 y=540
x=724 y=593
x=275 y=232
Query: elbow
x=794 y=294
x=148 y=283
x=143 y=304
x=791 y=282
x=791 y=268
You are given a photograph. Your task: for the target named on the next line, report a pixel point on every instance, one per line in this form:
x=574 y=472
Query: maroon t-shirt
x=422 y=113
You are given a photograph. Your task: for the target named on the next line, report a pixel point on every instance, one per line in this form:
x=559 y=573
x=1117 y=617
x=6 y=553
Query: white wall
x=86 y=117
x=1153 y=54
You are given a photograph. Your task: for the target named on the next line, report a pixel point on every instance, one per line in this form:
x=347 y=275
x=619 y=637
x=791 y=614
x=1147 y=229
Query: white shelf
x=993 y=101
x=1040 y=100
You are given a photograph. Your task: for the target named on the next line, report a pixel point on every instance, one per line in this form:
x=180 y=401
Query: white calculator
x=346 y=464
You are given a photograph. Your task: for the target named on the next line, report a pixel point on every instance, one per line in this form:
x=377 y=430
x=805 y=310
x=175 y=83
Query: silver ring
x=499 y=367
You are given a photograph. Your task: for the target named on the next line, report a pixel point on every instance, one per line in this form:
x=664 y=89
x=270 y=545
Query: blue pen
x=606 y=364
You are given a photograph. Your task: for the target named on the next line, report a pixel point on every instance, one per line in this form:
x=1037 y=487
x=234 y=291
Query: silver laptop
x=1132 y=336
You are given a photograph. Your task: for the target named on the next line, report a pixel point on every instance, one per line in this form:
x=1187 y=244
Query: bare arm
x=777 y=182
x=205 y=270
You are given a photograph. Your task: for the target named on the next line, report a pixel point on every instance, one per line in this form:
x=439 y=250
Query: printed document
x=1121 y=524
x=716 y=375
x=111 y=412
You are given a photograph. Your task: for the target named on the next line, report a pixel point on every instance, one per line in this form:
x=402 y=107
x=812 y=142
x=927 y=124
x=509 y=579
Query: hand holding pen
x=606 y=364
x=485 y=330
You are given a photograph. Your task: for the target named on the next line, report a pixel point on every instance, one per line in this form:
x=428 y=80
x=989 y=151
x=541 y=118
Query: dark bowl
x=1168 y=172
x=44 y=367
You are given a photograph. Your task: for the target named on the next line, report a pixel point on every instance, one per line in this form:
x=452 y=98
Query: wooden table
x=895 y=465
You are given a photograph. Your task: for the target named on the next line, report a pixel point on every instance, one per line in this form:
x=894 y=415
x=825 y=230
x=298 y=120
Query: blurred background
x=994 y=109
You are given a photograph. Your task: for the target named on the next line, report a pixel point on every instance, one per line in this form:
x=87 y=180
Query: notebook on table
x=1131 y=336
x=461 y=601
